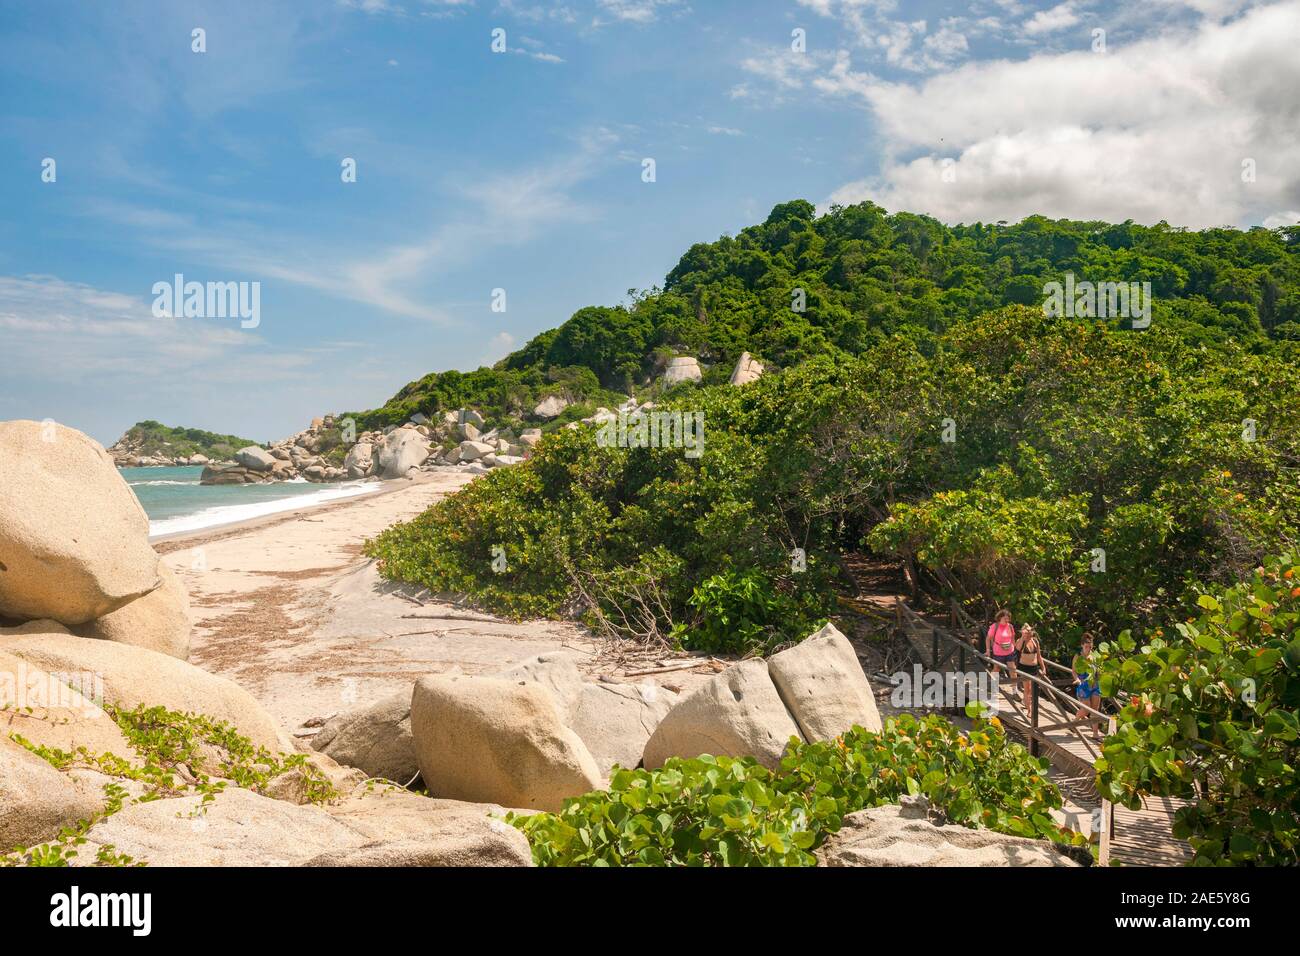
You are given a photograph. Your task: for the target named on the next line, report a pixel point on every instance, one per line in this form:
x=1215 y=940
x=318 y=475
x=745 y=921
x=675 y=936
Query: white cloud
x=498 y=348
x=904 y=44
x=1049 y=21
x=1157 y=129
x=634 y=11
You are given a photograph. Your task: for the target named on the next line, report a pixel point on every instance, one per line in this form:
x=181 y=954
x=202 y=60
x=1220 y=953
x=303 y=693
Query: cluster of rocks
x=128 y=452
x=684 y=368
x=537 y=733
x=303 y=456
x=90 y=618
x=83 y=593
x=452 y=438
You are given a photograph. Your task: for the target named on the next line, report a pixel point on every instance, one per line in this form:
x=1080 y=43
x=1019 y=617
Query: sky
x=501 y=154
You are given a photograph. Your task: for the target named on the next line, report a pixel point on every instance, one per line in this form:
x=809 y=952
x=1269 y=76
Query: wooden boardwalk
x=1131 y=838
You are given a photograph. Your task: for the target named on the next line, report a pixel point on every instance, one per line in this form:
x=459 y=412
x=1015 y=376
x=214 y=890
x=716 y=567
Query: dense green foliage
x=154 y=439
x=921 y=413
x=1212 y=717
x=717 y=811
x=865 y=276
x=1069 y=436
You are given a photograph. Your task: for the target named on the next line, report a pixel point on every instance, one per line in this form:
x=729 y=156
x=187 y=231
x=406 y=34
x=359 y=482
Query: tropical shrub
x=1212 y=718
x=719 y=811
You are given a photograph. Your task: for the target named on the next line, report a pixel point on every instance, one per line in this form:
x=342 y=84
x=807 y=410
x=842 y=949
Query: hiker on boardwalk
x=1029 y=658
x=1000 y=644
x=1087 y=682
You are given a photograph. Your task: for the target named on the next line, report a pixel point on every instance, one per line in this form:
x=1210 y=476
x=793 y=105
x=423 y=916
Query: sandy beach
x=287 y=606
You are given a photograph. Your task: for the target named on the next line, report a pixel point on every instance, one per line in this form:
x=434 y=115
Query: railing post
x=1107 y=819
x=1033 y=719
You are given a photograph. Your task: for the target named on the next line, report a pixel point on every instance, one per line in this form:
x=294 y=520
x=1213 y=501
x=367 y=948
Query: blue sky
x=522 y=170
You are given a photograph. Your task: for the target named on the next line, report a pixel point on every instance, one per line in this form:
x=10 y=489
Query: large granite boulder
x=893 y=836
x=136 y=675
x=747 y=370
x=49 y=711
x=159 y=621
x=241 y=828
x=489 y=740
x=74 y=541
x=407 y=829
x=550 y=407
x=736 y=713
x=375 y=738
x=360 y=460
x=255 y=458
x=471 y=417
x=615 y=721
x=238 y=828
x=823 y=686
x=473 y=450
x=399 y=452
x=36 y=800
x=681 y=369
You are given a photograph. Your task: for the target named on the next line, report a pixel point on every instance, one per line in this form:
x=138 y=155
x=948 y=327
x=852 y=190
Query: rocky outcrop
x=330 y=450
x=815 y=690
x=473 y=450
x=747 y=370
x=683 y=368
x=550 y=407
x=906 y=836
x=159 y=621
x=135 y=675
x=736 y=713
x=359 y=462
x=36 y=800
x=490 y=740
x=74 y=541
x=375 y=738
x=255 y=458
x=401 y=451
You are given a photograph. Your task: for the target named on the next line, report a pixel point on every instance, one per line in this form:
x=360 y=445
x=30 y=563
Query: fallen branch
x=679 y=666
x=453 y=617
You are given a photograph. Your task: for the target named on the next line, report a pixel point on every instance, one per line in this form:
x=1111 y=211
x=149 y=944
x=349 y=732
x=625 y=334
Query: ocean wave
x=161 y=481
x=228 y=514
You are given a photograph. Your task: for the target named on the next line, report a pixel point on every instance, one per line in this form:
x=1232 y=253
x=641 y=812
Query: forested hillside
x=150 y=439
x=865 y=276
x=923 y=407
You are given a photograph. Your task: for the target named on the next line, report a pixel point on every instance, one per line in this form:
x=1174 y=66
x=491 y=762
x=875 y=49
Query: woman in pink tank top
x=1000 y=644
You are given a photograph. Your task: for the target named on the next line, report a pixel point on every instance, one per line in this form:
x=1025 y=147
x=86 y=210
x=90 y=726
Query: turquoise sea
x=175 y=501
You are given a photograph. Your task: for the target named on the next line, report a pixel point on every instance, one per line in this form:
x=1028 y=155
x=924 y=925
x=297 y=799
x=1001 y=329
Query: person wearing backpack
x=1000 y=644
